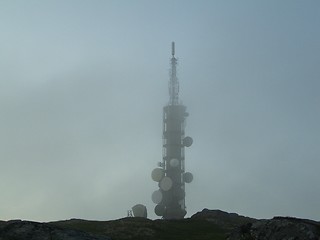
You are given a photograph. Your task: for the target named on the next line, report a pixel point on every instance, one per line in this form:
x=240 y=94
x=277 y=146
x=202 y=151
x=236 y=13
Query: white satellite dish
x=166 y=184
x=157 y=196
x=139 y=210
x=174 y=162
x=157 y=174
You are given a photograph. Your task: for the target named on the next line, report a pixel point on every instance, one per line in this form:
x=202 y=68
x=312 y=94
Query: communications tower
x=171 y=175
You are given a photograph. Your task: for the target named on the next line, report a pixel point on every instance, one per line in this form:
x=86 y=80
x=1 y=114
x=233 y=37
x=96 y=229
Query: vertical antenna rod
x=172 y=49
x=173 y=83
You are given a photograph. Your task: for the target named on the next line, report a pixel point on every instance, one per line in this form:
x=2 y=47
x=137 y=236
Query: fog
x=83 y=83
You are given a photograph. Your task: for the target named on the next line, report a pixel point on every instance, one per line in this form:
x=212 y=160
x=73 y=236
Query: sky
x=83 y=84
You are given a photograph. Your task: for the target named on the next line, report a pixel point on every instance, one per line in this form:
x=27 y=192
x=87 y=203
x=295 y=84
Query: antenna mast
x=171 y=175
x=173 y=83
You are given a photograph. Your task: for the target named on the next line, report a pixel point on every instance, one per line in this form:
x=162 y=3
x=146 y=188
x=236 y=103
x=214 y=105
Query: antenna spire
x=172 y=49
x=173 y=83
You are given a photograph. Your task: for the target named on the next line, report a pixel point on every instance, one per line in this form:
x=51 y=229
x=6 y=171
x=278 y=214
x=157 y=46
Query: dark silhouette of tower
x=171 y=175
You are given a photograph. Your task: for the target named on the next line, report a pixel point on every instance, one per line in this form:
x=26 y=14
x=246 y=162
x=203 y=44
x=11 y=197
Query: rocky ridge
x=22 y=230
x=204 y=225
x=278 y=228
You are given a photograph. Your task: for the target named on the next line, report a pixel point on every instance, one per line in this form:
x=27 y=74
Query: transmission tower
x=171 y=175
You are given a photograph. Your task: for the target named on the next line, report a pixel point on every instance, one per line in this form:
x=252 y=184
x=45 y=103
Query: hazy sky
x=83 y=83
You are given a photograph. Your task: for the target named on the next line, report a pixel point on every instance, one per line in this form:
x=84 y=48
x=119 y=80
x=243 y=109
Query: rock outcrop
x=278 y=228
x=26 y=230
x=225 y=220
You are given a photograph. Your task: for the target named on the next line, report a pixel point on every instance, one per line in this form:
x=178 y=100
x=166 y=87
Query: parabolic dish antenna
x=157 y=196
x=159 y=210
x=174 y=162
x=187 y=177
x=139 y=210
x=187 y=141
x=166 y=183
x=157 y=174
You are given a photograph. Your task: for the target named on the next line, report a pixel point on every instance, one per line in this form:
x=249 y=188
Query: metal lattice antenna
x=173 y=84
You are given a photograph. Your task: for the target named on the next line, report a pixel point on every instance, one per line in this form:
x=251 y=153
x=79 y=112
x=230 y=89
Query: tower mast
x=171 y=175
x=173 y=83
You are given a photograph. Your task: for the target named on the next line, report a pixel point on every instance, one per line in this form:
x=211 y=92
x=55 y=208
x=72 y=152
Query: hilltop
x=204 y=225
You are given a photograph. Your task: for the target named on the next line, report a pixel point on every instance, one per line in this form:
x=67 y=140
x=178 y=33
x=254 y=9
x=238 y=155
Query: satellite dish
x=139 y=210
x=157 y=196
x=187 y=177
x=157 y=174
x=187 y=141
x=159 y=210
x=165 y=184
x=174 y=162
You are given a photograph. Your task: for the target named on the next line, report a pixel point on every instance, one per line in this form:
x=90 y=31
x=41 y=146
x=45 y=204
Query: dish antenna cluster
x=171 y=175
